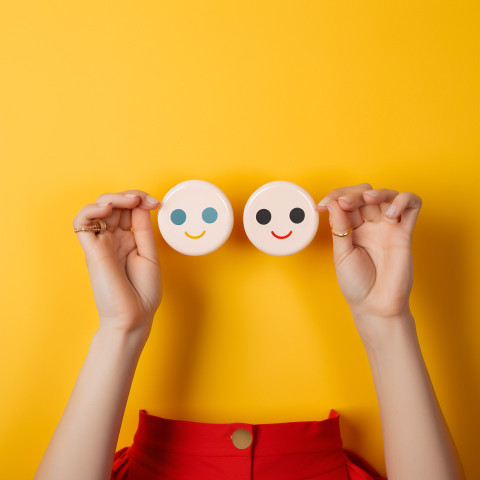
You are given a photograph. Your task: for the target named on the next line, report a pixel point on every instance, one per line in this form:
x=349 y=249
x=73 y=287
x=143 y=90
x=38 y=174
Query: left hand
x=373 y=263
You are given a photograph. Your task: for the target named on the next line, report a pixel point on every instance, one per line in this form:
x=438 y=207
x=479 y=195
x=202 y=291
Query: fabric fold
x=168 y=449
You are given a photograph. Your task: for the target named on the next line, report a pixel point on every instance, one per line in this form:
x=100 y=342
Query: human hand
x=373 y=264
x=122 y=264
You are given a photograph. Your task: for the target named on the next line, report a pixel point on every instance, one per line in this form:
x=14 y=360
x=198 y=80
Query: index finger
x=146 y=200
x=338 y=192
x=352 y=209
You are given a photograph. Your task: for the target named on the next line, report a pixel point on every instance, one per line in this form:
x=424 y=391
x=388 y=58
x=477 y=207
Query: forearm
x=83 y=444
x=417 y=442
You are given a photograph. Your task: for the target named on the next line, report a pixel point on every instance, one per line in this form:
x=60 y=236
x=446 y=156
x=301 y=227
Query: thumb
x=340 y=222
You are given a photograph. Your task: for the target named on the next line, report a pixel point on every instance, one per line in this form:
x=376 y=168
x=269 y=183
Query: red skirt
x=166 y=449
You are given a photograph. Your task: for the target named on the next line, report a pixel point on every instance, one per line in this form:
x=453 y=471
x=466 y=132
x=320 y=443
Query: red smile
x=278 y=236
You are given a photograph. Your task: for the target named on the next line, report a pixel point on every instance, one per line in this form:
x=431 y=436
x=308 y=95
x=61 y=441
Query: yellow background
x=106 y=96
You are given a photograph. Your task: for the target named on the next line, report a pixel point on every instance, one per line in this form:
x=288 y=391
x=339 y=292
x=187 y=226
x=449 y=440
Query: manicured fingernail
x=324 y=202
x=391 y=210
x=371 y=192
x=131 y=195
x=346 y=199
x=151 y=199
x=103 y=204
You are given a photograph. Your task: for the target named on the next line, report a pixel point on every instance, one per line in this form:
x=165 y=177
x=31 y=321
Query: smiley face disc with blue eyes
x=195 y=217
x=280 y=218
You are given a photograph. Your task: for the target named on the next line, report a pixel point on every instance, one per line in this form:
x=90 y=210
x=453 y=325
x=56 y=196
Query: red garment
x=166 y=449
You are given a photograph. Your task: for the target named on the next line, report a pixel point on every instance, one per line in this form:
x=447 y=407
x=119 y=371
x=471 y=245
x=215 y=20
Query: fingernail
x=372 y=192
x=346 y=199
x=391 y=210
x=151 y=199
x=324 y=202
x=103 y=204
x=131 y=195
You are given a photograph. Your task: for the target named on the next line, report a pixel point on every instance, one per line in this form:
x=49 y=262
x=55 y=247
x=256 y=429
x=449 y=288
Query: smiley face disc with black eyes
x=195 y=217
x=280 y=218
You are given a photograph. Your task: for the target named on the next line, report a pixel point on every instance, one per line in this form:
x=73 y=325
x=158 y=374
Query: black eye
x=263 y=216
x=297 y=215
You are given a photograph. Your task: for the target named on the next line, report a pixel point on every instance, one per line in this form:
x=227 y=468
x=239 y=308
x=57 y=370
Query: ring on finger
x=343 y=234
x=99 y=227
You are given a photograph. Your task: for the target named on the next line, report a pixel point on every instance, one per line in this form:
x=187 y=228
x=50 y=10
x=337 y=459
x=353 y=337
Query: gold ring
x=343 y=234
x=99 y=226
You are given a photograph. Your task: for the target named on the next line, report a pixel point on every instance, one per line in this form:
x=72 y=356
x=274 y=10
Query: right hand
x=122 y=264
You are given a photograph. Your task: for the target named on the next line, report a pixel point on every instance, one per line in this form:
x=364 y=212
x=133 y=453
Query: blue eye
x=178 y=216
x=209 y=215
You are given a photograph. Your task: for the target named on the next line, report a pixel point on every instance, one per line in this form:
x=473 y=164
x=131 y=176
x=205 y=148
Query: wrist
x=132 y=339
x=377 y=332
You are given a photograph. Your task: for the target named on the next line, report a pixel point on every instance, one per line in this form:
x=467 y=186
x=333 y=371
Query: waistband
x=215 y=439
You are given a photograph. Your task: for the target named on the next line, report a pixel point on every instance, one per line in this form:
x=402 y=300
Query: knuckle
x=389 y=192
x=406 y=196
x=340 y=192
x=76 y=220
x=416 y=199
x=102 y=197
x=332 y=194
x=137 y=192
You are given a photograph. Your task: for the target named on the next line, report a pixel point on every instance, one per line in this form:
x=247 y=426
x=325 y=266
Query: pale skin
x=374 y=270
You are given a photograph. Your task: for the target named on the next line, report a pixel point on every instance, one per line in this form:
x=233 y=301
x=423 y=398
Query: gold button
x=242 y=438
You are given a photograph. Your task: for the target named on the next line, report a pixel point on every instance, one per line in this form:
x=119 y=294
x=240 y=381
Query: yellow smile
x=198 y=236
